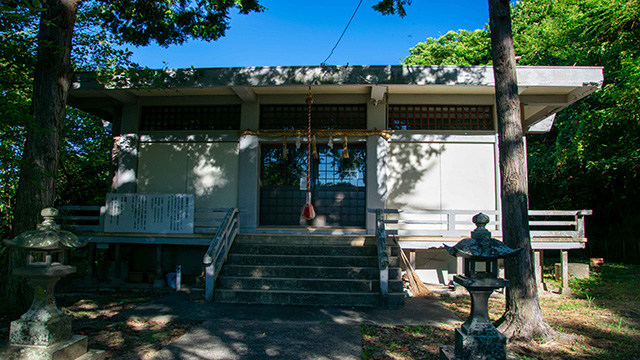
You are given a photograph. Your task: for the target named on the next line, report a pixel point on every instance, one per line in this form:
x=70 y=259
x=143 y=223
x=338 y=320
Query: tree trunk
x=523 y=317
x=41 y=155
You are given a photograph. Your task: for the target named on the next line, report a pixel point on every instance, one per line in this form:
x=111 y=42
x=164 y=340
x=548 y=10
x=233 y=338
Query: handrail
x=217 y=252
x=383 y=254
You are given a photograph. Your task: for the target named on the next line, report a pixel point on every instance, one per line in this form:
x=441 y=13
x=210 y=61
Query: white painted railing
x=457 y=223
x=83 y=219
x=217 y=252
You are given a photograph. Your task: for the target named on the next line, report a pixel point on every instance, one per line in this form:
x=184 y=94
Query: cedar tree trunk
x=52 y=78
x=523 y=317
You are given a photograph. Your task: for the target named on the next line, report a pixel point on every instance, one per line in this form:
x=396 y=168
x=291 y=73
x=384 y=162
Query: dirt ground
x=604 y=316
x=95 y=315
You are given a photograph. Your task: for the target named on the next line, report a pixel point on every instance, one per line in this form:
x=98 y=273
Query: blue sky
x=303 y=32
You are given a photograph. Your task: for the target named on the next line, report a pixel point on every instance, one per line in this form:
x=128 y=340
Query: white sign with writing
x=149 y=213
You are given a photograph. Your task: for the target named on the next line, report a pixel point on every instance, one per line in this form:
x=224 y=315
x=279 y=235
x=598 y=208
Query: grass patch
x=604 y=312
x=404 y=342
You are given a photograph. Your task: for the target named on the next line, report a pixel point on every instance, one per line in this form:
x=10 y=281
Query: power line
x=344 y=31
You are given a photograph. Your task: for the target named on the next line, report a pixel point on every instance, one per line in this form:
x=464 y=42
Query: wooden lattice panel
x=214 y=117
x=440 y=117
x=296 y=117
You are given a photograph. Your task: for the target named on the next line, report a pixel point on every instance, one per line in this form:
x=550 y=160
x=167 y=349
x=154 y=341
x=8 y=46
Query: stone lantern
x=44 y=332
x=477 y=338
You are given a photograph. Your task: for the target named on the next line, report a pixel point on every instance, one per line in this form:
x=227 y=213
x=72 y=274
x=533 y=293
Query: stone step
x=306 y=239
x=302 y=284
x=309 y=260
x=328 y=272
x=281 y=249
x=290 y=297
x=306 y=269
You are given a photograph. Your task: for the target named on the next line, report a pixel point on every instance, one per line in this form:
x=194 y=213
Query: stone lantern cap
x=47 y=237
x=481 y=246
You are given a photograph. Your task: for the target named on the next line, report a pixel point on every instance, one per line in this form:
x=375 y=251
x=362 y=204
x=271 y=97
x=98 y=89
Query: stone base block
x=447 y=353
x=73 y=348
x=491 y=345
x=37 y=333
x=578 y=271
x=93 y=355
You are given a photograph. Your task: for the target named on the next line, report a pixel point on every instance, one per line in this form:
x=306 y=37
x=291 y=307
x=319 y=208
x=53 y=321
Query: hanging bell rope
x=314 y=150
x=307 y=210
x=285 y=156
x=345 y=149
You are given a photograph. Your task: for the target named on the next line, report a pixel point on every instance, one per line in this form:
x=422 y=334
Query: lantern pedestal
x=477 y=338
x=44 y=332
x=43 y=324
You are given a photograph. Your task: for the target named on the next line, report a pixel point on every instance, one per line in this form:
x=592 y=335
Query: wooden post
x=117 y=274
x=564 y=263
x=459 y=265
x=383 y=255
x=412 y=258
x=538 y=258
x=159 y=281
x=459 y=290
x=91 y=258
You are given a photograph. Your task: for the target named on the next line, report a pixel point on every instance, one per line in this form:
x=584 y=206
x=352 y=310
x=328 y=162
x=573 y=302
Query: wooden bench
x=428 y=229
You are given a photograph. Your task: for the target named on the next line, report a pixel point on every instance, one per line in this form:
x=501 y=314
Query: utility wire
x=344 y=31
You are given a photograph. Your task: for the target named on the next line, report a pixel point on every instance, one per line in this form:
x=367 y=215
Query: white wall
x=207 y=170
x=441 y=176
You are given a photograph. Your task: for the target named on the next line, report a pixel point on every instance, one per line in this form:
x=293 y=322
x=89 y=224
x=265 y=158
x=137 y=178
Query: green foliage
x=591 y=158
x=84 y=169
x=392 y=7
x=139 y=22
x=17 y=59
x=86 y=145
x=611 y=282
x=454 y=48
x=101 y=31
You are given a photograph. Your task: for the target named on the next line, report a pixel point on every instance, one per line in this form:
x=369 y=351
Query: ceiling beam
x=544 y=100
x=123 y=96
x=377 y=94
x=542 y=126
x=245 y=93
x=541 y=115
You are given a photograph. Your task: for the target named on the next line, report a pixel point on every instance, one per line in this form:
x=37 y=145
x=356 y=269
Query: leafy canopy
x=168 y=22
x=591 y=158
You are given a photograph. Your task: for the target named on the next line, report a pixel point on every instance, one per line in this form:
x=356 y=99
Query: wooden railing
x=83 y=219
x=217 y=252
x=457 y=223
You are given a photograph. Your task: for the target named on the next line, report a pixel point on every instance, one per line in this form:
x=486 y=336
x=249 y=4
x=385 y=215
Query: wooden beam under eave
x=123 y=96
x=544 y=100
x=542 y=114
x=580 y=93
x=245 y=93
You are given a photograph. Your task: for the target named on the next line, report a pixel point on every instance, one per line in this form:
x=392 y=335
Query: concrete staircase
x=324 y=270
